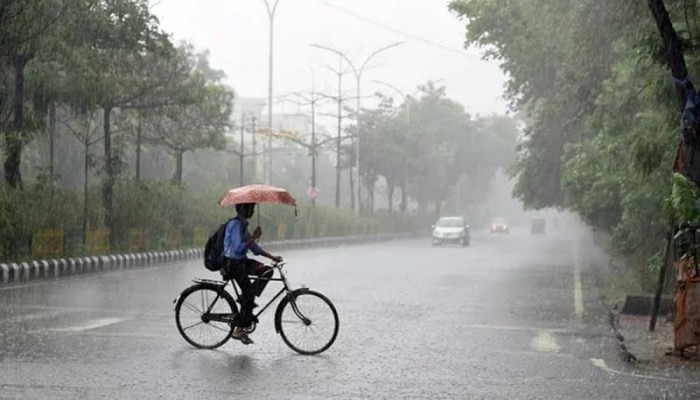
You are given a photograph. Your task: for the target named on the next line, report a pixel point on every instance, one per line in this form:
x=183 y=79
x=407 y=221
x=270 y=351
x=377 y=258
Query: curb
x=627 y=356
x=11 y=273
x=58 y=268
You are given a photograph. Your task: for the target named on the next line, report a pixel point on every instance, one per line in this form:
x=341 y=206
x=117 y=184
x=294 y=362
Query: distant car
x=451 y=230
x=538 y=226
x=500 y=225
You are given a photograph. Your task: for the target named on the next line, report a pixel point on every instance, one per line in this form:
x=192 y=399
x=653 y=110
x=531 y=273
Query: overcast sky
x=236 y=34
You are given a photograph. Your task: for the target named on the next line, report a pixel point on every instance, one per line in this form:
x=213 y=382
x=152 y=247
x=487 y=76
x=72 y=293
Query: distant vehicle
x=538 y=226
x=451 y=230
x=500 y=225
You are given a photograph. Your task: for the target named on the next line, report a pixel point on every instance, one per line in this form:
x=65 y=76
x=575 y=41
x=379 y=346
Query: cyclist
x=237 y=265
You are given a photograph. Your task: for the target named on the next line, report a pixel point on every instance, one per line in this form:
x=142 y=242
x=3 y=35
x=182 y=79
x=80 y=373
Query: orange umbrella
x=257 y=194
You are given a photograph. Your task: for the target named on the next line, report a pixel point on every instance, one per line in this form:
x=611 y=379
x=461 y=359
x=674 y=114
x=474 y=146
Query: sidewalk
x=651 y=350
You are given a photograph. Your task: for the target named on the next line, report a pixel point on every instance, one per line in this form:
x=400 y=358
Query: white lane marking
x=130 y=335
x=530 y=353
x=545 y=342
x=149 y=313
x=94 y=324
x=578 y=294
x=17 y=319
x=600 y=363
x=516 y=328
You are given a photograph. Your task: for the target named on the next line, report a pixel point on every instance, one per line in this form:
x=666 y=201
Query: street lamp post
x=242 y=154
x=271 y=9
x=358 y=77
x=404 y=97
x=253 y=129
x=339 y=101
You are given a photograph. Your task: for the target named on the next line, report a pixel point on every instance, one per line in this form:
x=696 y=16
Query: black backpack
x=214 y=249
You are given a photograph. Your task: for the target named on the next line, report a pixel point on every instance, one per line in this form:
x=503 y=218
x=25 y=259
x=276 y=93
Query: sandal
x=242 y=336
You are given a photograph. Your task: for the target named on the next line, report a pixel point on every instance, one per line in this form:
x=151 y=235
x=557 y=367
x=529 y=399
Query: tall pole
x=340 y=128
x=241 y=155
x=358 y=123
x=668 y=262
x=253 y=123
x=271 y=9
x=313 y=136
x=339 y=116
x=358 y=76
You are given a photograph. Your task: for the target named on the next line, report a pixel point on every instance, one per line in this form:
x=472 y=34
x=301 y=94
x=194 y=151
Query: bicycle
x=205 y=312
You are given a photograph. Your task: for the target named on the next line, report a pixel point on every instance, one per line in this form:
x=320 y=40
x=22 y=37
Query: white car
x=451 y=230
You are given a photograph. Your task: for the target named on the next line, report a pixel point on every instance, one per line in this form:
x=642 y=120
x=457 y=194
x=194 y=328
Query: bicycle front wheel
x=204 y=315
x=308 y=324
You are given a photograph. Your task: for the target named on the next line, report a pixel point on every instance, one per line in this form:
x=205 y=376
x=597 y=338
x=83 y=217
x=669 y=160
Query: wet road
x=510 y=317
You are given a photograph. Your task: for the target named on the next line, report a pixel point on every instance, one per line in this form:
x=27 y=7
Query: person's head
x=245 y=210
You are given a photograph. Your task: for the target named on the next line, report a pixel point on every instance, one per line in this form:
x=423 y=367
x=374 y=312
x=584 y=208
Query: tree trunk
x=86 y=170
x=52 y=141
x=352 y=189
x=404 y=196
x=672 y=44
x=422 y=206
x=108 y=185
x=390 y=194
x=177 y=177
x=370 y=195
x=687 y=161
x=15 y=140
x=337 y=181
x=138 y=148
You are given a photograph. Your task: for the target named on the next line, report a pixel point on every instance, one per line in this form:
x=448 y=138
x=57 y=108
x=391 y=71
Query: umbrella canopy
x=257 y=194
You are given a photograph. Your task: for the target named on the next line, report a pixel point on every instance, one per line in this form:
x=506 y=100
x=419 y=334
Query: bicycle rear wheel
x=312 y=327
x=204 y=315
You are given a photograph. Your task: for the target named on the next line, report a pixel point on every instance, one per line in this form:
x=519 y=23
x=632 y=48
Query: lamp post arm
x=371 y=56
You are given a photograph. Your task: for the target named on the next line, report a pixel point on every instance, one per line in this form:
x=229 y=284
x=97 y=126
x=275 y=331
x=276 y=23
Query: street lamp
x=404 y=97
x=358 y=76
x=271 y=9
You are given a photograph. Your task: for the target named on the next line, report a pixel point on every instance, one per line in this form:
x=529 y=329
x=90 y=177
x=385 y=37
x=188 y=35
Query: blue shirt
x=235 y=238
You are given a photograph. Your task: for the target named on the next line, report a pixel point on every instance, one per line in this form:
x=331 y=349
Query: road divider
x=11 y=273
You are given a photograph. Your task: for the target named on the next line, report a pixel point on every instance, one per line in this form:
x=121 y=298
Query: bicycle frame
x=285 y=289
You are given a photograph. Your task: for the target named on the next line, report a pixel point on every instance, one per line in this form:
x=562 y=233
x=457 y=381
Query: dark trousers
x=239 y=270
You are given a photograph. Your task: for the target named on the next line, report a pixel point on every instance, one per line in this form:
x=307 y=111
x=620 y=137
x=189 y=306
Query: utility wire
x=398 y=31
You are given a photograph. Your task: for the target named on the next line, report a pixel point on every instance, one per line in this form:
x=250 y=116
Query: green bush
x=161 y=209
